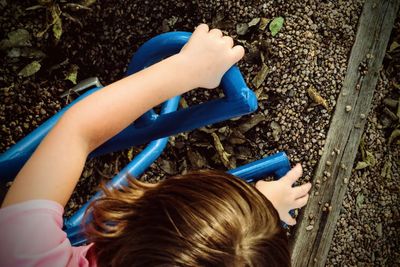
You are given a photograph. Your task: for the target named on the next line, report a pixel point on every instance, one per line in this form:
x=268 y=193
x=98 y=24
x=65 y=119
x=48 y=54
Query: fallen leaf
x=395 y=134
x=236 y=137
x=87 y=2
x=316 y=97
x=196 y=159
x=361 y=165
x=242 y=28
x=263 y=24
x=379 y=229
x=223 y=155
x=249 y=124
x=168 y=167
x=25 y=52
x=276 y=25
x=17 y=38
x=387 y=170
x=370 y=158
x=276 y=130
x=30 y=69
x=183 y=103
x=260 y=77
x=130 y=154
x=72 y=74
x=253 y=22
x=359 y=201
x=57 y=23
x=393 y=46
x=398 y=109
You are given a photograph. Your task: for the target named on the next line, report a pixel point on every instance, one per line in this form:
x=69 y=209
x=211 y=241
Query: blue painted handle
x=277 y=164
x=239 y=100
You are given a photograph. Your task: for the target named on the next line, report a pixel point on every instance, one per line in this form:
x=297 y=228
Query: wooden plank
x=311 y=246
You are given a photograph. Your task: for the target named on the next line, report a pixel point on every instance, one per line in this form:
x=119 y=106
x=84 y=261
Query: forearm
x=55 y=167
x=108 y=111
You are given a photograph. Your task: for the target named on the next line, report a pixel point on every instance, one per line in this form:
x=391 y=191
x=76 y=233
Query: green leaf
x=72 y=74
x=276 y=25
x=30 y=69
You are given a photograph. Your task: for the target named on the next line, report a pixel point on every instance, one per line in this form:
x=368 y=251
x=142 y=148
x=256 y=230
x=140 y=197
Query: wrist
x=183 y=71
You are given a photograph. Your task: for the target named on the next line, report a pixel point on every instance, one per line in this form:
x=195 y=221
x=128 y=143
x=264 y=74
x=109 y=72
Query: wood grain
x=311 y=247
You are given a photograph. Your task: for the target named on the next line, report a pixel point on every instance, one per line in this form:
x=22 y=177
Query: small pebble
x=309 y=227
x=348 y=108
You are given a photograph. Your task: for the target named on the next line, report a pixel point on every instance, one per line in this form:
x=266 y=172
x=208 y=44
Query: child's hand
x=283 y=196
x=208 y=55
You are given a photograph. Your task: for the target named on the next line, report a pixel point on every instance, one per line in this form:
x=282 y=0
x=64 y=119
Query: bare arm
x=55 y=167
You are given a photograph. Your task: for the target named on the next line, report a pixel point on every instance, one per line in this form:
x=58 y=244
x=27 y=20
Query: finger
x=228 y=40
x=294 y=174
x=288 y=219
x=238 y=53
x=216 y=32
x=301 y=202
x=301 y=190
x=201 y=28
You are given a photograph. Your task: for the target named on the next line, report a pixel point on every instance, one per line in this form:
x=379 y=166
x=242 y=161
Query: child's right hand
x=208 y=55
x=283 y=196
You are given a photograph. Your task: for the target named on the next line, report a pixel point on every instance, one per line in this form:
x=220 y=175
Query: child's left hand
x=284 y=196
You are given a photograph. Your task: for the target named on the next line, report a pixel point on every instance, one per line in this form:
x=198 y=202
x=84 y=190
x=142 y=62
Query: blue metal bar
x=134 y=169
x=239 y=100
x=277 y=164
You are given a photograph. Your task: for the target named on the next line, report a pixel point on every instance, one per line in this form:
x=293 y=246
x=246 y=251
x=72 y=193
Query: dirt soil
x=308 y=55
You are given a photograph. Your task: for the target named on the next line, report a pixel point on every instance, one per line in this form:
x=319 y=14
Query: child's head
x=203 y=218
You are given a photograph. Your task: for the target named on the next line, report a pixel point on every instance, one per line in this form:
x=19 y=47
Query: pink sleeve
x=31 y=235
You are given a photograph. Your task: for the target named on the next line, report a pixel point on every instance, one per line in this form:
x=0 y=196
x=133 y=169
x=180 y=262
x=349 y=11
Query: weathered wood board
x=311 y=244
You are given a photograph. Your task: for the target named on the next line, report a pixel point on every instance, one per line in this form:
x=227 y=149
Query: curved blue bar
x=134 y=169
x=277 y=164
x=239 y=100
x=251 y=172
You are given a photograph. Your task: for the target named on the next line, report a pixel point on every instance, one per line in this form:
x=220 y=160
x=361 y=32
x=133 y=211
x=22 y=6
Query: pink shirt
x=31 y=235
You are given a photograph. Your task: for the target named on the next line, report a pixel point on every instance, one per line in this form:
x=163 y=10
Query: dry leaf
x=361 y=165
x=223 y=155
x=316 y=97
x=17 y=38
x=276 y=130
x=253 y=121
x=387 y=170
x=196 y=159
x=254 y=22
x=168 y=167
x=393 y=46
x=236 y=138
x=57 y=23
x=260 y=77
x=395 y=134
x=72 y=74
x=263 y=24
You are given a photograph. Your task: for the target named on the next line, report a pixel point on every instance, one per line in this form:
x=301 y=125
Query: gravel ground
x=308 y=55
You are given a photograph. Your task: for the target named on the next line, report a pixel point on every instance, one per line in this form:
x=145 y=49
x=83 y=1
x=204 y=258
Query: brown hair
x=204 y=218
